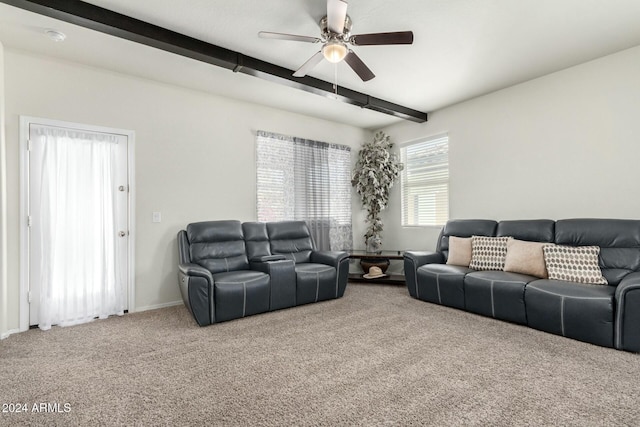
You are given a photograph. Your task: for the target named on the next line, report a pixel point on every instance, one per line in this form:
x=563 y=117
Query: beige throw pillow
x=459 y=251
x=526 y=258
x=574 y=264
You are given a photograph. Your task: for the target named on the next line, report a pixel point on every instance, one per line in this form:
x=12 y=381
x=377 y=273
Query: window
x=300 y=179
x=425 y=182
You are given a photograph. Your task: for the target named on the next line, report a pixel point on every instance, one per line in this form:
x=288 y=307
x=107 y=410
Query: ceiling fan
x=335 y=36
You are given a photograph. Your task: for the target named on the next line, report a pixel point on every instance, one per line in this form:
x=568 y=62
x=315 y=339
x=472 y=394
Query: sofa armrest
x=627 y=333
x=332 y=258
x=415 y=259
x=266 y=258
x=339 y=260
x=424 y=257
x=196 y=287
x=282 y=281
x=195 y=270
x=267 y=266
x=183 y=247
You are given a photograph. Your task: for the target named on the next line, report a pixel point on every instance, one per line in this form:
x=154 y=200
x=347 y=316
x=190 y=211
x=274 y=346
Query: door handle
x=122 y=234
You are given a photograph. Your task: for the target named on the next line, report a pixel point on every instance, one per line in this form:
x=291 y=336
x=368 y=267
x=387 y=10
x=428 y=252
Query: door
x=78 y=214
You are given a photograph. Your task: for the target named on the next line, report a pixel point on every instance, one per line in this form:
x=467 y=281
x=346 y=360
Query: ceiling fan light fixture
x=334 y=51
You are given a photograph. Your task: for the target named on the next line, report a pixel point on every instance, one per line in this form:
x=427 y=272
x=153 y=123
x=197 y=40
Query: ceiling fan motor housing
x=328 y=35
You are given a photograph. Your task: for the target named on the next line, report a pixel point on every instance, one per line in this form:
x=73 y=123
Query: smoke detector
x=55 y=35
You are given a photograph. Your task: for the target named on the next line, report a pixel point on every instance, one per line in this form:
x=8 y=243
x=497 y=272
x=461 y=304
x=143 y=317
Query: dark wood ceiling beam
x=126 y=27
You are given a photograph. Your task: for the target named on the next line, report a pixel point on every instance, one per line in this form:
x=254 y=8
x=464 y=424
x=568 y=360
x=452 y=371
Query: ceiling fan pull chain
x=335 y=79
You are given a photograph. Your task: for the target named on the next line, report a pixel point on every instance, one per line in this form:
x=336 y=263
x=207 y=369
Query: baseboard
x=156 y=306
x=9 y=332
x=148 y=307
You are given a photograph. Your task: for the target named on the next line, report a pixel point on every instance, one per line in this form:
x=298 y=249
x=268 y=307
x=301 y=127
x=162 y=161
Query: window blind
x=301 y=179
x=425 y=182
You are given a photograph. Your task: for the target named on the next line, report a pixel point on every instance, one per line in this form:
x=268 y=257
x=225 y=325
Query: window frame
x=403 y=176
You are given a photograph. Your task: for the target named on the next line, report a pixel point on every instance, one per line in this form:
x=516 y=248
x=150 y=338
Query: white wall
x=4 y=304
x=194 y=154
x=562 y=146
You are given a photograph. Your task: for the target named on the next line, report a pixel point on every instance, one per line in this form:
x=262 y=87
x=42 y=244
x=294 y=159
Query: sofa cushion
x=619 y=241
x=574 y=264
x=497 y=294
x=464 y=228
x=217 y=245
x=256 y=240
x=525 y=258
x=573 y=310
x=292 y=239
x=488 y=253
x=315 y=282
x=442 y=284
x=459 y=251
x=240 y=294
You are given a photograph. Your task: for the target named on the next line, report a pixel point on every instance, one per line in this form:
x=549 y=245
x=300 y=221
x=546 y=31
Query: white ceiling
x=462 y=48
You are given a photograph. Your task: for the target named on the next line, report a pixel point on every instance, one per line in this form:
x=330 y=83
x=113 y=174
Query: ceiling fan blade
x=358 y=66
x=399 y=37
x=283 y=36
x=336 y=14
x=308 y=66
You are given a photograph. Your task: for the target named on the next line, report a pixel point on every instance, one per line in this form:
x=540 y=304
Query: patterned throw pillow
x=574 y=264
x=488 y=253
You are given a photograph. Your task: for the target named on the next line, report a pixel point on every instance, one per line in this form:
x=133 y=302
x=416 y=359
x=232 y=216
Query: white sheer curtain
x=80 y=280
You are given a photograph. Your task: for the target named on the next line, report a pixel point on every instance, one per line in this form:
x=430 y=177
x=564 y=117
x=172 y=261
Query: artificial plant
x=375 y=172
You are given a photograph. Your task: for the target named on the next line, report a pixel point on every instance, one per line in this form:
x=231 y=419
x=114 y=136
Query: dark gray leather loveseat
x=229 y=270
x=606 y=315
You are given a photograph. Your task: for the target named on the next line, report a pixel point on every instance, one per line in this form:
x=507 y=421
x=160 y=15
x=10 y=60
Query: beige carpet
x=374 y=357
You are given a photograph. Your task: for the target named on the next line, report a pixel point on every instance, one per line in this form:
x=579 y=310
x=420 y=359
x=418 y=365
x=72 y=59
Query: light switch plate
x=157 y=217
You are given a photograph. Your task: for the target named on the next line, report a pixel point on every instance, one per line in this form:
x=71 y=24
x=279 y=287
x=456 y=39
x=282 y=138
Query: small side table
x=392 y=279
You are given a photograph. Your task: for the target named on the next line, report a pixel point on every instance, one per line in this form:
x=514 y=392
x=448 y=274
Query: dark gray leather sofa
x=604 y=315
x=229 y=270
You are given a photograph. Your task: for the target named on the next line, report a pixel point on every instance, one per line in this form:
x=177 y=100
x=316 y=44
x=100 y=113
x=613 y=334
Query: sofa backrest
x=619 y=241
x=291 y=239
x=464 y=228
x=256 y=239
x=217 y=246
x=532 y=230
